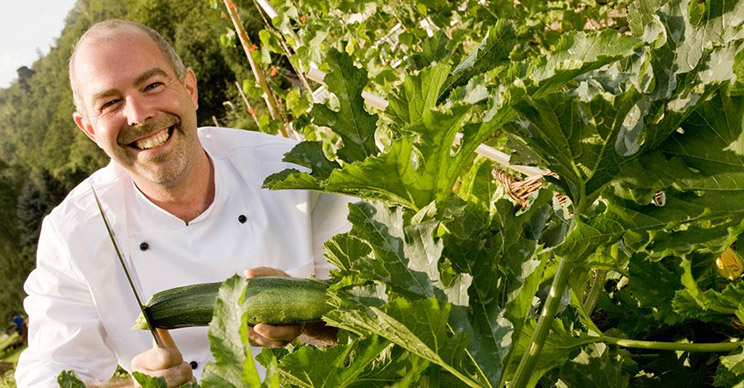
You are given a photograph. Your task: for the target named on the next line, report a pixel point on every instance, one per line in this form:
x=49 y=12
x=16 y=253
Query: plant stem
x=598 y=282
x=527 y=364
x=247 y=104
x=720 y=347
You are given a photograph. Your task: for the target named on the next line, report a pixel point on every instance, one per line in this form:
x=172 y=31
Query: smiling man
x=185 y=203
x=136 y=100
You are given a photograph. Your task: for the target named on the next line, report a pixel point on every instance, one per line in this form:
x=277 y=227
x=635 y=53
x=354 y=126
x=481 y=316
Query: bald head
x=109 y=30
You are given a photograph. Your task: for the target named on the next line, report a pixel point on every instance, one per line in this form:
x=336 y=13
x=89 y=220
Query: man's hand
x=265 y=335
x=166 y=362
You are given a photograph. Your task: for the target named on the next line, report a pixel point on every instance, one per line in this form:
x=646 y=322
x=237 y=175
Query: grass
x=7 y=380
x=9 y=356
x=5 y=342
x=13 y=355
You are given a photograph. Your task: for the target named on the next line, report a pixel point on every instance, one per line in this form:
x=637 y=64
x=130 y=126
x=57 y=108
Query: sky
x=28 y=28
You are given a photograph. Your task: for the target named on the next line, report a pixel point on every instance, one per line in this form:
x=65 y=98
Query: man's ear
x=189 y=80
x=84 y=125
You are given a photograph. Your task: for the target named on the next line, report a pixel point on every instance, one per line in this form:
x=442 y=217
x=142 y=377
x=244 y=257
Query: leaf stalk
x=529 y=360
x=721 y=347
x=598 y=283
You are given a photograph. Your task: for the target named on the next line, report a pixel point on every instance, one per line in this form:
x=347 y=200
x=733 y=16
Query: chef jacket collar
x=165 y=219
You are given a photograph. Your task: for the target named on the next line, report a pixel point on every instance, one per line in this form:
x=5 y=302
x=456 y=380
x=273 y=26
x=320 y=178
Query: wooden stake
x=258 y=73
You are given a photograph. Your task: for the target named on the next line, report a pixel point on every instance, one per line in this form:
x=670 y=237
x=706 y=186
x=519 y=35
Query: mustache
x=131 y=133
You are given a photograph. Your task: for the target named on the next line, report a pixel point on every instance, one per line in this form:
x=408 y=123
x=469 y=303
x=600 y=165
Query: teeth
x=152 y=141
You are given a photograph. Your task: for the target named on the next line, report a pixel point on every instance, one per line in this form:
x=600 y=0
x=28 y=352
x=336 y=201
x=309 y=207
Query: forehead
x=113 y=59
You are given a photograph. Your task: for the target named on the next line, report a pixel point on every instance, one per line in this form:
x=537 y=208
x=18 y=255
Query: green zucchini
x=274 y=300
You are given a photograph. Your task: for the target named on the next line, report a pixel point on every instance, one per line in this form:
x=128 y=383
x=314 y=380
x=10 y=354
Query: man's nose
x=137 y=110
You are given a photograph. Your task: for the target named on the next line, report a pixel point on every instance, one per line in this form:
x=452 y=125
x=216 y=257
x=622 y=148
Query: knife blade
x=155 y=334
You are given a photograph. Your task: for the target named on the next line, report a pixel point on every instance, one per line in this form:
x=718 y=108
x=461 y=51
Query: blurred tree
x=14 y=265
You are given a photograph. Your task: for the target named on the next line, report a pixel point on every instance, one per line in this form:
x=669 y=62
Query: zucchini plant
x=443 y=280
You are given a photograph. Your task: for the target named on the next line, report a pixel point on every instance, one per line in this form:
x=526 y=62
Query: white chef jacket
x=80 y=305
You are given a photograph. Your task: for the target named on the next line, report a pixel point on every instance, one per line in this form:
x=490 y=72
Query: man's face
x=135 y=108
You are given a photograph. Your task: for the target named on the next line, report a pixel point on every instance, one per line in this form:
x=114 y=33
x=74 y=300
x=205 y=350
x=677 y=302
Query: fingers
x=279 y=332
x=164 y=362
x=263 y=271
x=265 y=335
x=258 y=340
x=157 y=359
x=166 y=338
x=174 y=376
x=271 y=336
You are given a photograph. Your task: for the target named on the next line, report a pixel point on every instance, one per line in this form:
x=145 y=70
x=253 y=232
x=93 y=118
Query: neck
x=188 y=198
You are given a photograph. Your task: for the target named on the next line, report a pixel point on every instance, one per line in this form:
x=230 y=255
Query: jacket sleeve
x=65 y=332
x=329 y=218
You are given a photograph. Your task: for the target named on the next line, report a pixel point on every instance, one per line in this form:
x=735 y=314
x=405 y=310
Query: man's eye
x=153 y=85
x=108 y=104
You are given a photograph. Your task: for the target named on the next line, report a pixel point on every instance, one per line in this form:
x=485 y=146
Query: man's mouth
x=155 y=140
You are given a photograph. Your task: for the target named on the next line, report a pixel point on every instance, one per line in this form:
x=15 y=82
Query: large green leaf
x=692 y=49
x=506 y=273
x=409 y=174
x=403 y=256
x=416 y=169
x=335 y=367
x=699 y=174
x=412 y=173
x=228 y=339
x=587 y=142
x=654 y=285
x=576 y=139
x=68 y=379
x=493 y=51
x=595 y=366
x=308 y=154
x=420 y=327
x=147 y=381
x=343 y=250
x=576 y=54
x=707 y=305
x=352 y=122
x=730 y=372
x=434 y=49
x=416 y=95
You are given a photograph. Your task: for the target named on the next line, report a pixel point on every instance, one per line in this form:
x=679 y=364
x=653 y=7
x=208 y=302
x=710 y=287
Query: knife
x=155 y=334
